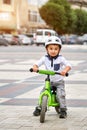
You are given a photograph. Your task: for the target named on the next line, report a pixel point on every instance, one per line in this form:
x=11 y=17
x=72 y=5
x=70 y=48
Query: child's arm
x=38 y=64
x=65 y=70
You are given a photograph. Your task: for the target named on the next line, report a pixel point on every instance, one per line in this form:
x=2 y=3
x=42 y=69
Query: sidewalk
x=18 y=95
x=20 y=117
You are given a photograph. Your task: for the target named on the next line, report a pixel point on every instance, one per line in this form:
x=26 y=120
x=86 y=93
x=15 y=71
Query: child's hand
x=63 y=72
x=35 y=68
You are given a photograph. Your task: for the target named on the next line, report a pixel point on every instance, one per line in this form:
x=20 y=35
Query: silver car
x=24 y=39
x=82 y=39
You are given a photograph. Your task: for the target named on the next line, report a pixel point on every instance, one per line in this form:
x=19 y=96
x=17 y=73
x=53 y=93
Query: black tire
x=85 y=43
x=57 y=109
x=43 y=109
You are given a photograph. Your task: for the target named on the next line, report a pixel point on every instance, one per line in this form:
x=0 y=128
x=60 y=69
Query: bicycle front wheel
x=43 y=108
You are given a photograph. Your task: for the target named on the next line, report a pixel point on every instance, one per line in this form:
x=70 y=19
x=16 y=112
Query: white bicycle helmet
x=53 y=40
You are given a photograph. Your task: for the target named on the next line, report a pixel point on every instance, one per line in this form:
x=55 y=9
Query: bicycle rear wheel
x=43 y=108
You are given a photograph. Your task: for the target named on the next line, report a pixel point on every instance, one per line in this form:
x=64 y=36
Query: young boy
x=54 y=61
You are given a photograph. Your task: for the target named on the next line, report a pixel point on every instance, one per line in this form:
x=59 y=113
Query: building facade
x=7 y=16
x=81 y=4
x=19 y=16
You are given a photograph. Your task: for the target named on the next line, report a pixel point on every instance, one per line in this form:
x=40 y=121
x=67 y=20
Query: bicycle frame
x=48 y=93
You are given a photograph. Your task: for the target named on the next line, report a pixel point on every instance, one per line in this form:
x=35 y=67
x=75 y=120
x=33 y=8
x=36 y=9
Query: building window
x=7 y=2
x=32 y=16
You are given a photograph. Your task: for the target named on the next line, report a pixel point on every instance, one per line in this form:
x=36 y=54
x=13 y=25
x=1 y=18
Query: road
x=19 y=89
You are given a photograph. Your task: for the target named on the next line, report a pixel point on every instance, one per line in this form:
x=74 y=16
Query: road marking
x=4 y=99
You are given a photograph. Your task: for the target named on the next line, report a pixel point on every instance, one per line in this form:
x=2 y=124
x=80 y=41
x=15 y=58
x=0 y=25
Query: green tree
x=81 y=22
x=58 y=15
x=71 y=20
x=54 y=16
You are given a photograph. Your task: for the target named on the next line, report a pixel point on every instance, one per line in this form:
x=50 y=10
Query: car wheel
x=85 y=43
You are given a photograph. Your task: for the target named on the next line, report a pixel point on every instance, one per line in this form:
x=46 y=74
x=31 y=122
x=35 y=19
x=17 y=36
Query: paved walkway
x=20 y=118
x=18 y=97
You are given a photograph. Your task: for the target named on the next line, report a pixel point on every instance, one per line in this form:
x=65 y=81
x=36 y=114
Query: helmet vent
x=57 y=40
x=49 y=40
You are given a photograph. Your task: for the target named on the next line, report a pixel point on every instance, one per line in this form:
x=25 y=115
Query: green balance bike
x=48 y=96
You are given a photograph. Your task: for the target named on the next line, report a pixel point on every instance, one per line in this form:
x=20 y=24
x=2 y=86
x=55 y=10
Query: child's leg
x=61 y=98
x=38 y=108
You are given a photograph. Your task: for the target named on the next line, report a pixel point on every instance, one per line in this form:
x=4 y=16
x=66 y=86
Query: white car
x=42 y=35
x=24 y=39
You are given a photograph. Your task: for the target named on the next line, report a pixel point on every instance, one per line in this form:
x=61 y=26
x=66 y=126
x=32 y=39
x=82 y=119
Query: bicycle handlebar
x=47 y=72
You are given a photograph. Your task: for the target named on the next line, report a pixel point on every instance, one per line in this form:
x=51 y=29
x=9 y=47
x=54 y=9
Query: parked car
x=31 y=36
x=42 y=35
x=72 y=39
x=3 y=42
x=63 y=39
x=69 y=39
x=15 y=40
x=1 y=36
x=24 y=39
x=8 y=37
x=82 y=39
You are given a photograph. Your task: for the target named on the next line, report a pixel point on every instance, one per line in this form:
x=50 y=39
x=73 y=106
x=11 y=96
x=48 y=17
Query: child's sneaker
x=63 y=114
x=37 y=111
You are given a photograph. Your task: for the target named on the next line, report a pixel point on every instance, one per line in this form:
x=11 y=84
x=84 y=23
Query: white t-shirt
x=57 y=64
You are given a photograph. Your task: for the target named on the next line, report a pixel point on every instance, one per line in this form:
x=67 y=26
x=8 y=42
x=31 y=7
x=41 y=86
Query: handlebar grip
x=67 y=74
x=31 y=70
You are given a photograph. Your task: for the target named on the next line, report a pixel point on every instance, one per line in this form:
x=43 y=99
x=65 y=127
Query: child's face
x=53 y=50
